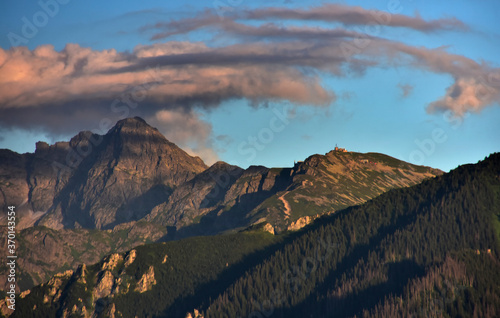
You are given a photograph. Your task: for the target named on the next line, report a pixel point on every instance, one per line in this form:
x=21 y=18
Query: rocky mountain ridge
x=134 y=173
x=373 y=253
x=95 y=181
x=138 y=187
x=226 y=197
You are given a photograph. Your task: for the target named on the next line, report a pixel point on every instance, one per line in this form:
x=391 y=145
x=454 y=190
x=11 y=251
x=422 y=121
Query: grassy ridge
x=390 y=257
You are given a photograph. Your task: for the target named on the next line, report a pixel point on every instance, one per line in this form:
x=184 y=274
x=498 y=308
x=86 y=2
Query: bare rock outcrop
x=147 y=281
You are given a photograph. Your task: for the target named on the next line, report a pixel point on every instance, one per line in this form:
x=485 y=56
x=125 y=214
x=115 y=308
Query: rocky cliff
x=95 y=181
x=139 y=188
x=43 y=252
x=226 y=197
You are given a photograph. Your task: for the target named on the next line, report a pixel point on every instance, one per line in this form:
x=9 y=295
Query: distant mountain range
x=430 y=250
x=133 y=172
x=95 y=195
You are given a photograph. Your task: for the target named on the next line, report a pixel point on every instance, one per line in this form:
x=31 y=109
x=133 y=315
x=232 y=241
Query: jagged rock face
x=196 y=196
x=269 y=228
x=14 y=189
x=225 y=197
x=130 y=257
x=43 y=251
x=104 y=285
x=147 y=281
x=131 y=171
x=218 y=199
x=44 y=179
x=97 y=181
x=31 y=181
x=97 y=290
x=93 y=291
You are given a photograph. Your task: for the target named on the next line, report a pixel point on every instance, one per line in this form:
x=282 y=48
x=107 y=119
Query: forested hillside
x=430 y=250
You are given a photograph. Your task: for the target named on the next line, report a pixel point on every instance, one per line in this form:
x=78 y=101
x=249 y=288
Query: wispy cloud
x=339 y=13
x=188 y=129
x=406 y=89
x=355 y=15
x=168 y=82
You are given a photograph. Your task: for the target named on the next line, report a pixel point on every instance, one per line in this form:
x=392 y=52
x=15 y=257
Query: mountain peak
x=132 y=168
x=132 y=121
x=132 y=124
x=221 y=165
x=136 y=131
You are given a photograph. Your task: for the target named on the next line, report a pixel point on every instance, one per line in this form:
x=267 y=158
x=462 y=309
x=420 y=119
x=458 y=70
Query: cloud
x=406 y=89
x=475 y=85
x=355 y=15
x=345 y=52
x=224 y=141
x=169 y=82
x=269 y=30
x=44 y=87
x=341 y=13
x=466 y=95
x=188 y=130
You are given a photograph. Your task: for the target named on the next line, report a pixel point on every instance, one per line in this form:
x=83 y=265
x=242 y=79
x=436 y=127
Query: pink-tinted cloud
x=47 y=89
x=44 y=76
x=466 y=95
x=339 y=13
x=474 y=84
x=167 y=83
x=355 y=15
x=188 y=129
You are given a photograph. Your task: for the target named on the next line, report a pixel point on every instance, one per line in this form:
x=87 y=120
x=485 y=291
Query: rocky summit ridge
x=134 y=173
x=100 y=194
x=95 y=181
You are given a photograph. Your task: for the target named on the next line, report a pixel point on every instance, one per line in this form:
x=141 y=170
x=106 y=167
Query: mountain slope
x=43 y=252
x=100 y=181
x=96 y=181
x=187 y=268
x=133 y=173
x=428 y=250
x=132 y=170
x=29 y=182
x=396 y=255
x=226 y=197
x=221 y=198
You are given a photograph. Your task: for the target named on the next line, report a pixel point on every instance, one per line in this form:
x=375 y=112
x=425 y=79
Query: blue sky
x=247 y=87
